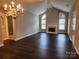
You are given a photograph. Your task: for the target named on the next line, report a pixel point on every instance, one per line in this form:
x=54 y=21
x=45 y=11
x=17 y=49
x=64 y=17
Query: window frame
x=44 y=15
x=63 y=18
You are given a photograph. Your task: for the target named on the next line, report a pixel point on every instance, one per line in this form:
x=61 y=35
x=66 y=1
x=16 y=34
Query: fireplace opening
x=51 y=29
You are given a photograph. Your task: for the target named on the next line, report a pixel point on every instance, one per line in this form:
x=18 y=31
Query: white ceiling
x=36 y=8
x=39 y=6
x=64 y=5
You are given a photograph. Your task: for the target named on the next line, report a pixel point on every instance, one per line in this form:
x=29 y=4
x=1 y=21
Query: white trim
x=70 y=37
x=24 y=36
x=74 y=45
x=76 y=49
x=52 y=32
x=1 y=45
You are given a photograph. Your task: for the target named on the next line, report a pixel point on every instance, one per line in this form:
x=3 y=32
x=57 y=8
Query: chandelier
x=13 y=9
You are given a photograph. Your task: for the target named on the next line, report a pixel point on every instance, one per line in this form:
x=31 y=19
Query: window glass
x=43 y=26
x=43 y=22
x=74 y=23
x=44 y=16
x=61 y=21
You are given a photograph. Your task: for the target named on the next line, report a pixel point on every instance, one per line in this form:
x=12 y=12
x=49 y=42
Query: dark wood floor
x=39 y=46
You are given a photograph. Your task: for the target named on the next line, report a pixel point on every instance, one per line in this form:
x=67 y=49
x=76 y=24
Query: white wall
x=26 y=24
x=74 y=35
x=53 y=18
x=71 y=31
x=77 y=27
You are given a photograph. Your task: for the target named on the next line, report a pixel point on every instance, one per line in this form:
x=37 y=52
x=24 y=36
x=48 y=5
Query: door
x=10 y=27
x=1 y=33
x=62 y=23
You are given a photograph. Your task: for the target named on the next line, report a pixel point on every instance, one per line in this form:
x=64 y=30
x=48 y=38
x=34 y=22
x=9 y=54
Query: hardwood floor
x=39 y=46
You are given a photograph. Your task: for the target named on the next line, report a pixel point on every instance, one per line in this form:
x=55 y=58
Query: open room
x=39 y=29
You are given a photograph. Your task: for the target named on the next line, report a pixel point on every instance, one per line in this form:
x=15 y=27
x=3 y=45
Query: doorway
x=10 y=27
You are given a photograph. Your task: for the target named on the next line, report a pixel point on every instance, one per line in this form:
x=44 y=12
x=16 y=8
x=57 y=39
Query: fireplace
x=51 y=29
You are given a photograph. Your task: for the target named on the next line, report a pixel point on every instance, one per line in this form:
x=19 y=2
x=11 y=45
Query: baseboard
x=77 y=51
x=25 y=36
x=70 y=37
x=74 y=45
x=1 y=45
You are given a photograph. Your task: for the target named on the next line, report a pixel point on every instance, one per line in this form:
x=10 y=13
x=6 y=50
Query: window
x=74 y=23
x=43 y=22
x=61 y=21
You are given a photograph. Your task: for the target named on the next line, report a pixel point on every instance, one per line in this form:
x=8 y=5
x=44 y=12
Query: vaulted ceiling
x=39 y=6
x=64 y=5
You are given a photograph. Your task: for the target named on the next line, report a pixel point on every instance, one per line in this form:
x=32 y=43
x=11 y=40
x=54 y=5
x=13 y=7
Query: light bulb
x=19 y=6
x=22 y=10
x=13 y=3
x=5 y=6
x=10 y=7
